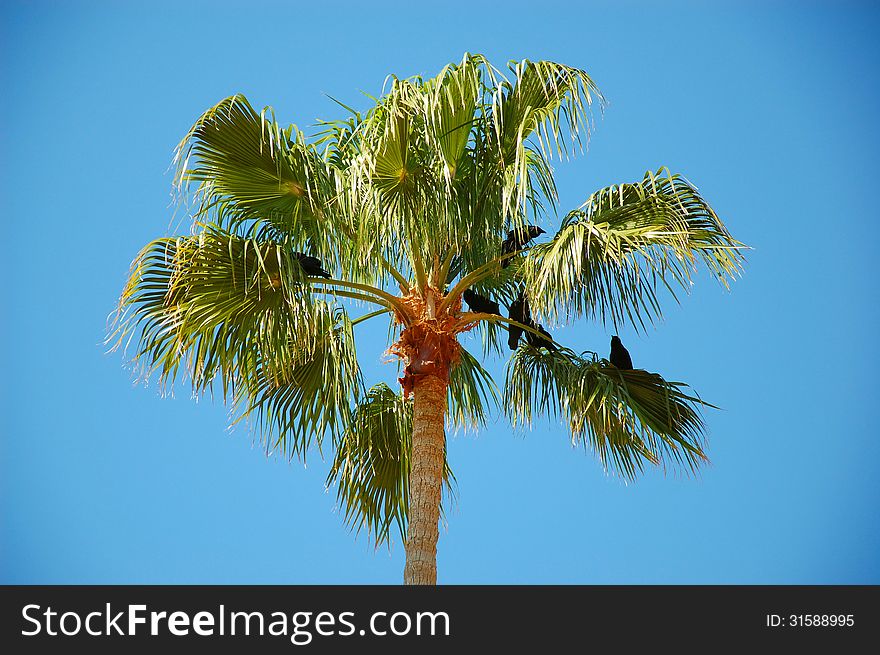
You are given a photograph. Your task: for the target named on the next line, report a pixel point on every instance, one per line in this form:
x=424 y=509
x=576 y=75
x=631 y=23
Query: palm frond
x=371 y=467
x=307 y=393
x=551 y=100
x=205 y=302
x=550 y=105
x=247 y=168
x=614 y=254
x=337 y=138
x=451 y=103
x=630 y=418
x=472 y=393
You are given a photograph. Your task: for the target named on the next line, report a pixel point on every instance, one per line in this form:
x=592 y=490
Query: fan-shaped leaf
x=612 y=256
x=629 y=417
x=371 y=467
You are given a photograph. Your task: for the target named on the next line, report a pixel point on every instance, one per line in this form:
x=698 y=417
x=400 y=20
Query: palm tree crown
x=428 y=197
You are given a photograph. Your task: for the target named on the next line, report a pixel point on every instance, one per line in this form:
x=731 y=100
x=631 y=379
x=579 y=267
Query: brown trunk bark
x=425 y=480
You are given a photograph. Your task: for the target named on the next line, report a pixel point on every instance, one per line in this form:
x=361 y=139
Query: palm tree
x=408 y=205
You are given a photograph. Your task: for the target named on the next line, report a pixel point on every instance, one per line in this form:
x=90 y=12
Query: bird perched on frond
x=311 y=265
x=620 y=355
x=519 y=312
x=517 y=239
x=480 y=303
x=539 y=342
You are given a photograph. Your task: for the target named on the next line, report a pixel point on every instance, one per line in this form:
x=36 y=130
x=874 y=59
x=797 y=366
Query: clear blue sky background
x=770 y=108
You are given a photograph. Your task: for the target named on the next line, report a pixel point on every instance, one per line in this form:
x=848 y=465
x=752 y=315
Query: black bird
x=519 y=312
x=540 y=342
x=513 y=337
x=517 y=239
x=620 y=355
x=478 y=303
x=311 y=265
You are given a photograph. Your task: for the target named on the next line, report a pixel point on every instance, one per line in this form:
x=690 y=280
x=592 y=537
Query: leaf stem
x=387 y=297
x=367 y=317
x=472 y=277
x=474 y=317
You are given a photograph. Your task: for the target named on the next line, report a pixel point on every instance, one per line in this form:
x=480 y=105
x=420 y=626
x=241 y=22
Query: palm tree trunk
x=425 y=480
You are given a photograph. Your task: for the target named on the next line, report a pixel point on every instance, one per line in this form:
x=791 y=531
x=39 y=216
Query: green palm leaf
x=612 y=255
x=546 y=99
x=472 y=393
x=306 y=393
x=224 y=307
x=371 y=467
x=552 y=103
x=246 y=167
x=208 y=301
x=628 y=417
x=452 y=101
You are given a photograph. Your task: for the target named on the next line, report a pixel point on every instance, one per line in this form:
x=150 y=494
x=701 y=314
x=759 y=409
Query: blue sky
x=769 y=108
